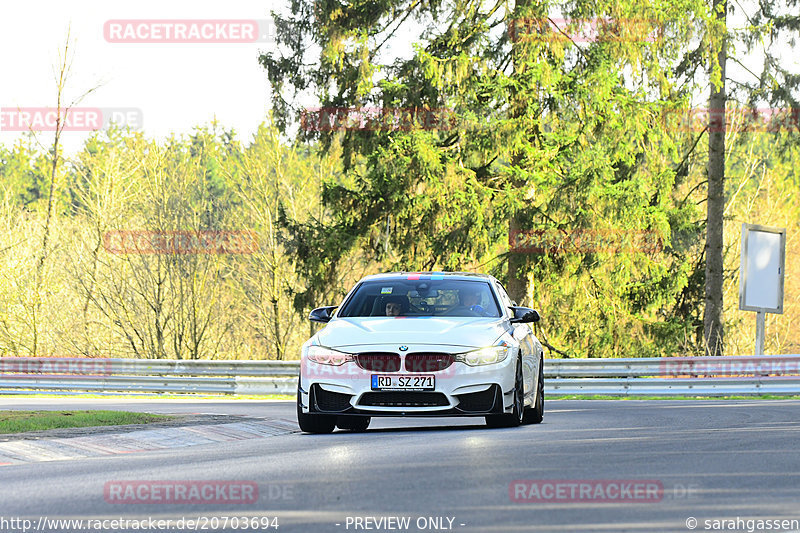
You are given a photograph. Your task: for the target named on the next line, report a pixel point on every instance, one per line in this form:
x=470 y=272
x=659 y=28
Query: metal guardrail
x=675 y=376
x=24 y=375
x=704 y=376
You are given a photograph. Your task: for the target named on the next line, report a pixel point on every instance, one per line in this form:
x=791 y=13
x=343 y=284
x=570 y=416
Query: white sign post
x=761 y=274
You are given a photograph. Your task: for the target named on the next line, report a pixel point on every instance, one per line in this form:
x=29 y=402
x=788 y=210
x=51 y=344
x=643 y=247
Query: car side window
x=504 y=299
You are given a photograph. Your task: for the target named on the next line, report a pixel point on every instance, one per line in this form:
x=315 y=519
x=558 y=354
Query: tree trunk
x=517 y=274
x=712 y=315
x=517 y=285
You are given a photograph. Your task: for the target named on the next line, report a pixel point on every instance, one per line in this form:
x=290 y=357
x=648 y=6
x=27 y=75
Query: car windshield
x=420 y=298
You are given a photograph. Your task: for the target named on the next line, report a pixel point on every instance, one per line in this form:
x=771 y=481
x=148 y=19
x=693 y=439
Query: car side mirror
x=524 y=315
x=322 y=314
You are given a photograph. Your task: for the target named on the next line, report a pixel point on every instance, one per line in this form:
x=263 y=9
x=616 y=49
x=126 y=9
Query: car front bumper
x=460 y=389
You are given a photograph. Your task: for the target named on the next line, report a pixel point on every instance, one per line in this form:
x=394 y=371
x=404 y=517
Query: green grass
x=22 y=421
x=147 y=396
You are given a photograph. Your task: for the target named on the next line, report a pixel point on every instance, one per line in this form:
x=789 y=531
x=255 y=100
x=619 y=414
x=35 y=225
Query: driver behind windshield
x=471 y=299
x=394 y=306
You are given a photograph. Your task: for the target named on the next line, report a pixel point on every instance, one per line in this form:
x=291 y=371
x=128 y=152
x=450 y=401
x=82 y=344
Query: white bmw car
x=421 y=344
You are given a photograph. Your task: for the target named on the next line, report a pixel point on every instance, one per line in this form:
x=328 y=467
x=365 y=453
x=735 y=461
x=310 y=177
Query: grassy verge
x=146 y=396
x=21 y=421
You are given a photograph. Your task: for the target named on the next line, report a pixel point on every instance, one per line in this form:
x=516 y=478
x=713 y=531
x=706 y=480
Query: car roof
x=468 y=276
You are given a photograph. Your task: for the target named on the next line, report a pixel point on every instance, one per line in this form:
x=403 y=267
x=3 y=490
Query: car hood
x=451 y=331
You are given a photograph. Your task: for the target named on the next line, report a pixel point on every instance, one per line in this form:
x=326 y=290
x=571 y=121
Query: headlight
x=326 y=356
x=483 y=356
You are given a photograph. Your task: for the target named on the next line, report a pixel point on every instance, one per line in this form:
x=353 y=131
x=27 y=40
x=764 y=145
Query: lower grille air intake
x=329 y=401
x=478 y=402
x=404 y=399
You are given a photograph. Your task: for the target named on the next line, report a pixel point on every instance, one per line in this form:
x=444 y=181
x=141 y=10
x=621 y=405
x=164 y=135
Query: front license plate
x=416 y=382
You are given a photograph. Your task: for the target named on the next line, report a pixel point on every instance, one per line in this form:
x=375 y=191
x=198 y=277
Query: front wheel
x=313 y=423
x=535 y=414
x=513 y=419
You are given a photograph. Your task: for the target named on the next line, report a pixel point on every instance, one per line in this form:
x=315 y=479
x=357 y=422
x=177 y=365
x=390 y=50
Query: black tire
x=535 y=414
x=353 y=423
x=513 y=419
x=314 y=423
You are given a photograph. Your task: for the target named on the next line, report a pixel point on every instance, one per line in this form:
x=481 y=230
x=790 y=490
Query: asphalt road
x=660 y=463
